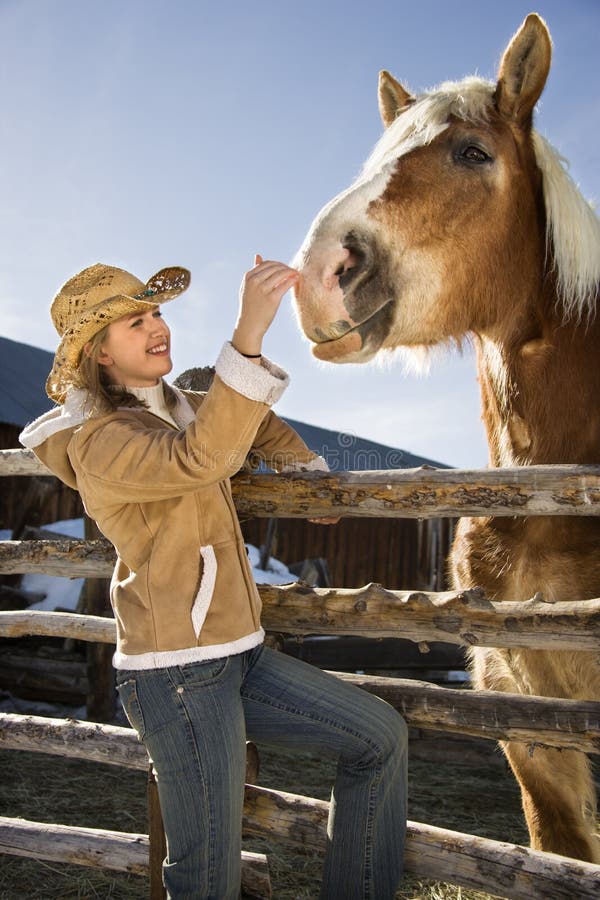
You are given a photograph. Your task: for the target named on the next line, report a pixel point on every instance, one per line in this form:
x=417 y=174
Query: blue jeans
x=194 y=721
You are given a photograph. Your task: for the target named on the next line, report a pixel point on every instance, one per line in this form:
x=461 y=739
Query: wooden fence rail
x=299 y=822
x=459 y=617
x=504 y=869
x=537 y=721
x=467 y=618
x=116 y=850
x=437 y=853
x=408 y=493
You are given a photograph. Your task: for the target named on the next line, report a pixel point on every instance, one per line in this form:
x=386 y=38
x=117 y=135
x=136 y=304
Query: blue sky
x=144 y=134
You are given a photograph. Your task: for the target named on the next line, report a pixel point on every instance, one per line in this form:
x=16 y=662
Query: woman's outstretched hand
x=261 y=292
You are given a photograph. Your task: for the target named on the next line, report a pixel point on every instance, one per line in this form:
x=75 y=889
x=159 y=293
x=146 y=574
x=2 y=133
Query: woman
x=152 y=465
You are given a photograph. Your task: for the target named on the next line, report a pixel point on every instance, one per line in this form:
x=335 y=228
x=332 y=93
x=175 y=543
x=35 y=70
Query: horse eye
x=474 y=154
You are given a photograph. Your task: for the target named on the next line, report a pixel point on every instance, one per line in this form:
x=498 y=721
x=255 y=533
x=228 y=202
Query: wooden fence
x=466 y=617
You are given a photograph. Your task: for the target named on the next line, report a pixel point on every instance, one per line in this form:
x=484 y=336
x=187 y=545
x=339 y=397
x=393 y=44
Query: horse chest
x=513 y=559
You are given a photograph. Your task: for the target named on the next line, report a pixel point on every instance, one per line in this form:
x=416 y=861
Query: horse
x=465 y=225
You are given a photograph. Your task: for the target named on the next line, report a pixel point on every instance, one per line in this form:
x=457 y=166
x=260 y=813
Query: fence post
x=101 y=697
x=156 y=835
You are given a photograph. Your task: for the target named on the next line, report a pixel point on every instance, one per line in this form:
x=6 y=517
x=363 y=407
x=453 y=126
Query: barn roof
x=345 y=450
x=23 y=373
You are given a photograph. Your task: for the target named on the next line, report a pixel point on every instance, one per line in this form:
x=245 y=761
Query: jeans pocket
x=129 y=699
x=205 y=672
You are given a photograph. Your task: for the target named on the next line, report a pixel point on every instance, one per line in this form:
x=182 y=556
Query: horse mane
x=426 y=118
x=572 y=234
x=572 y=226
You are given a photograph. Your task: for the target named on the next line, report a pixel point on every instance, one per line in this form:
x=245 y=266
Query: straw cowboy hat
x=94 y=298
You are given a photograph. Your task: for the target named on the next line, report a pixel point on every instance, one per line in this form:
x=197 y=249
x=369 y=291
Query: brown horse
x=465 y=222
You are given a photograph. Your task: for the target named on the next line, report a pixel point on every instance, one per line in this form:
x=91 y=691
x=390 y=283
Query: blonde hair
x=105 y=396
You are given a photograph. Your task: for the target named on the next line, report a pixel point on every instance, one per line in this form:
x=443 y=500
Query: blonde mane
x=427 y=117
x=573 y=228
x=572 y=234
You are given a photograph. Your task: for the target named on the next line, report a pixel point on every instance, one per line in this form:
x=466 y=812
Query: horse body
x=464 y=221
x=535 y=412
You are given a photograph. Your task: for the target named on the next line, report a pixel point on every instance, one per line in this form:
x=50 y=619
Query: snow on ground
x=276 y=572
x=64 y=592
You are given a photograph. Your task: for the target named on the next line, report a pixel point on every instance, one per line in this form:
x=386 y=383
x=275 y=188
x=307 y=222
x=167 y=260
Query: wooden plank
x=67 y=558
x=95 y=847
x=73 y=739
x=115 y=850
x=92 y=741
x=537 y=721
x=476 y=863
x=297 y=821
x=511 y=871
x=21 y=462
x=465 y=618
x=424 y=492
x=24 y=623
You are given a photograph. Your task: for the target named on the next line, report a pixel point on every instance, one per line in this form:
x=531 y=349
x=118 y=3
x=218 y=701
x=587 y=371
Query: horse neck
x=541 y=394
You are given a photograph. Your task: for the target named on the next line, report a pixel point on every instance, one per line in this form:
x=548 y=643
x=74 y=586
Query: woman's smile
x=137 y=351
x=159 y=349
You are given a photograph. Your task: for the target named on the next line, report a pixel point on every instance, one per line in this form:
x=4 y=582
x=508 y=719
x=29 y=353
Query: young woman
x=152 y=465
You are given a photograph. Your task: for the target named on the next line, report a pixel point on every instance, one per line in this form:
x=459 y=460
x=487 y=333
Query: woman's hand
x=261 y=292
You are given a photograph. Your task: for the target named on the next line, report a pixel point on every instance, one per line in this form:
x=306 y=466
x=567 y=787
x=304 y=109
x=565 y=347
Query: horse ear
x=524 y=70
x=392 y=97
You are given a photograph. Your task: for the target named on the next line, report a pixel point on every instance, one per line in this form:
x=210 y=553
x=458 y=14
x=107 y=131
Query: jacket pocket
x=206 y=590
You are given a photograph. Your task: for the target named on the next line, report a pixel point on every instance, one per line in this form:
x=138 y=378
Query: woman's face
x=137 y=350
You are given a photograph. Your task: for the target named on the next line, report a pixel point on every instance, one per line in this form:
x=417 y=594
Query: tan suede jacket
x=182 y=589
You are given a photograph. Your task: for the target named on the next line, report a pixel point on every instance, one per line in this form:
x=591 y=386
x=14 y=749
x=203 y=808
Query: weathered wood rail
x=466 y=618
x=299 y=822
x=537 y=721
x=116 y=850
x=409 y=493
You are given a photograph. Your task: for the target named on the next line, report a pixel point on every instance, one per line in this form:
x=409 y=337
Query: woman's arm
x=125 y=456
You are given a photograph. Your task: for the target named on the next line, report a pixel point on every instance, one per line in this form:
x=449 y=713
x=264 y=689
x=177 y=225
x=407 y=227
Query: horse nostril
x=351 y=268
x=358 y=262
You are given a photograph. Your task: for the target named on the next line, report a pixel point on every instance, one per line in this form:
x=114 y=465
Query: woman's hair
x=105 y=396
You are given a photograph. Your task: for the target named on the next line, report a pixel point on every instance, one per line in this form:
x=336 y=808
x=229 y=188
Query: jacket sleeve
x=126 y=459
x=281 y=448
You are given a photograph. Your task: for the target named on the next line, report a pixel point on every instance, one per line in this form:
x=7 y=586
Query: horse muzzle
x=334 y=299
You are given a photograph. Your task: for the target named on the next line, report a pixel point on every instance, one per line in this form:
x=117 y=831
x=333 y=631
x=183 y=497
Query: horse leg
x=558 y=800
x=557 y=788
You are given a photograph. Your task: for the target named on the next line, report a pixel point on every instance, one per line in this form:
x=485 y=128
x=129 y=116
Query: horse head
x=451 y=226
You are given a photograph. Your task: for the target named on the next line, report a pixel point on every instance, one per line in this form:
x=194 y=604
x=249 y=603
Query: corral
x=460 y=618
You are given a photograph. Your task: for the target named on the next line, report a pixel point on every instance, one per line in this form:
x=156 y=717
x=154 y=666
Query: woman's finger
x=271 y=275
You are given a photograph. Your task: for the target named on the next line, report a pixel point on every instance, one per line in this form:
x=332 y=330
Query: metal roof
x=23 y=373
x=348 y=451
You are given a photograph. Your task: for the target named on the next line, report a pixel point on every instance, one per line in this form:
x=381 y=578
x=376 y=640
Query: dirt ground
x=479 y=798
